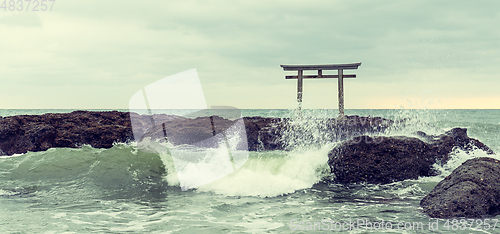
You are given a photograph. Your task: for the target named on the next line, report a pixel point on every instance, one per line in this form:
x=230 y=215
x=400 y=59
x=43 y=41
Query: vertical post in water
x=299 y=89
x=341 y=92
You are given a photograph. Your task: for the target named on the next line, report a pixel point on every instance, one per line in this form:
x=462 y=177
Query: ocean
x=127 y=190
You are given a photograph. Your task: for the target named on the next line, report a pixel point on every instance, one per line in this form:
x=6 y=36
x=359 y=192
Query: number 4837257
x=25 y=5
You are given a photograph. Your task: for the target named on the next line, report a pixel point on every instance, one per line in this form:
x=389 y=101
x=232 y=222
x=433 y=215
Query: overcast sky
x=89 y=54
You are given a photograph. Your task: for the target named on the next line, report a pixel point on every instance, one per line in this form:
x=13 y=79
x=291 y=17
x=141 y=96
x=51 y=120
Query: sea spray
x=309 y=130
x=408 y=122
x=457 y=158
x=265 y=174
x=270 y=174
x=274 y=173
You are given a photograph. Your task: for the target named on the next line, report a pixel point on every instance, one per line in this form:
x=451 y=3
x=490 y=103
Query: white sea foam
x=265 y=174
x=457 y=158
x=273 y=173
x=7 y=193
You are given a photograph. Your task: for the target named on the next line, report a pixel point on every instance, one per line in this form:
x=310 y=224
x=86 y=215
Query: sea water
x=124 y=189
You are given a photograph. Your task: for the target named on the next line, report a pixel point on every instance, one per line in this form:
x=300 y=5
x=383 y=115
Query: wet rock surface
x=472 y=191
x=20 y=134
x=285 y=133
x=382 y=160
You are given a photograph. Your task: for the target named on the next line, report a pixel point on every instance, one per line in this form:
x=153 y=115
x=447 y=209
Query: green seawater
x=127 y=190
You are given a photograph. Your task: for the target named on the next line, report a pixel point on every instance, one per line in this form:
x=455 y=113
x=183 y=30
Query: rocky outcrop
x=456 y=137
x=382 y=160
x=313 y=132
x=472 y=191
x=262 y=133
x=20 y=134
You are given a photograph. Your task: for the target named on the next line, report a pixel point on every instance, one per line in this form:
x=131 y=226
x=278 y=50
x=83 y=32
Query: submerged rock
x=382 y=160
x=472 y=191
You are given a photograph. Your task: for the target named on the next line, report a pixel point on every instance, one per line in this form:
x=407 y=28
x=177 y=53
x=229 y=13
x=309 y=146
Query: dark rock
x=319 y=131
x=20 y=134
x=382 y=160
x=262 y=133
x=463 y=141
x=182 y=130
x=472 y=191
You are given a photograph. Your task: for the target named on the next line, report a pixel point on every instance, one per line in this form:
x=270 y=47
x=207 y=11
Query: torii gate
x=320 y=68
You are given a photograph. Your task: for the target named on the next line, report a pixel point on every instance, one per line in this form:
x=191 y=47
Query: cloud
x=122 y=46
